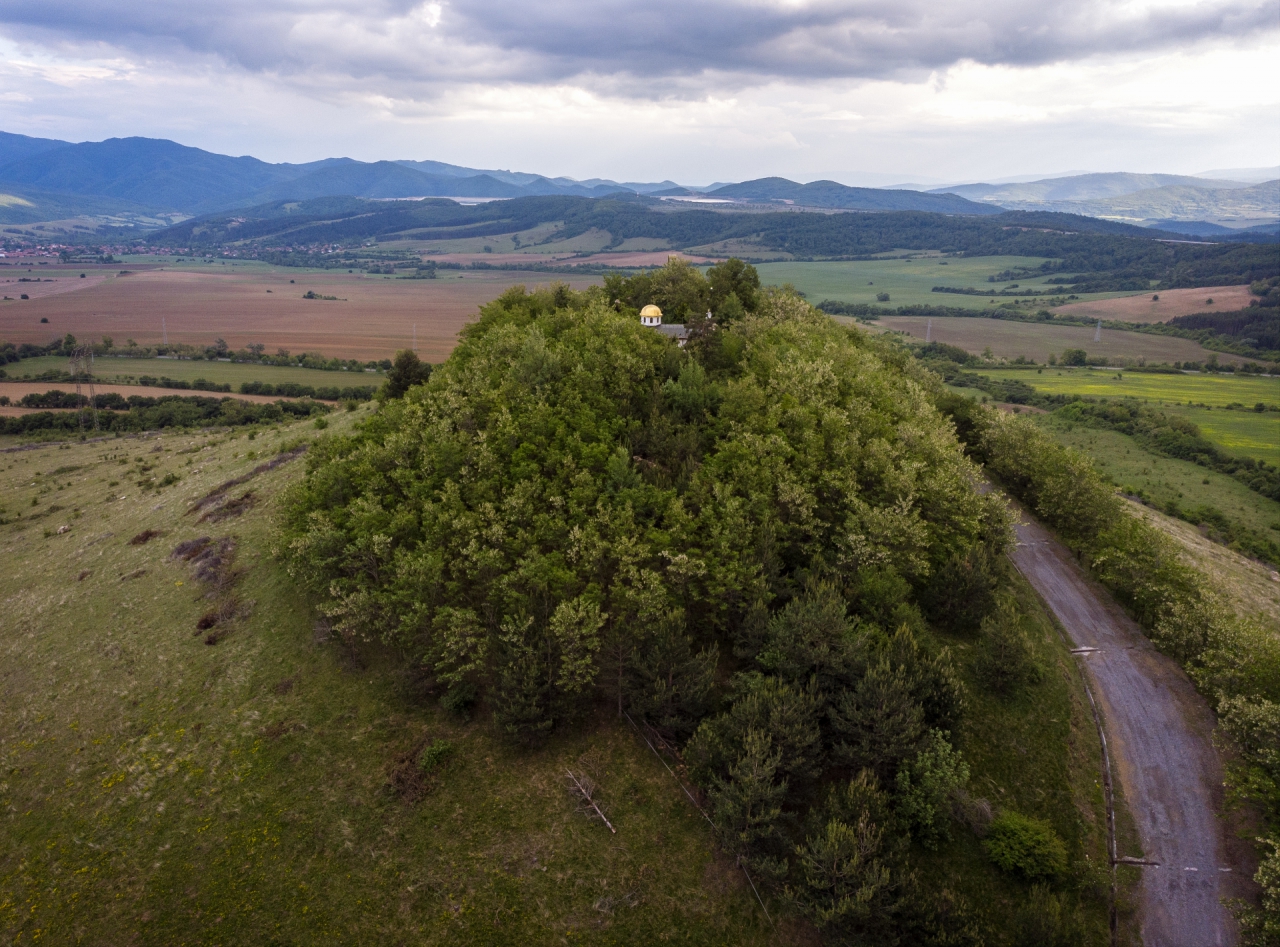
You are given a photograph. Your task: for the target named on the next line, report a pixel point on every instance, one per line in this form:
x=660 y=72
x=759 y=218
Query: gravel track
x=1159 y=734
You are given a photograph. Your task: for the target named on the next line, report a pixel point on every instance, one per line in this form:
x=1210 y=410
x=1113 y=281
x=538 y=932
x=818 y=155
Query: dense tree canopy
x=573 y=508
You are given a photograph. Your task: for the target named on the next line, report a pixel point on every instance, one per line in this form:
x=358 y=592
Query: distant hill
x=1182 y=202
x=162 y=175
x=150 y=172
x=1247 y=175
x=17 y=147
x=1175 y=203
x=830 y=194
x=1079 y=187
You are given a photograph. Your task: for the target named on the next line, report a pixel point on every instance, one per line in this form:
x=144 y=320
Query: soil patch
x=216 y=496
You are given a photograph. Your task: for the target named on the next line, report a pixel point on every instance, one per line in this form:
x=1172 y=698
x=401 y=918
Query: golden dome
x=651 y=310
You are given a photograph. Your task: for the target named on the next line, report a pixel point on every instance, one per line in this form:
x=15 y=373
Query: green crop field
x=264 y=789
x=908 y=281
x=123 y=371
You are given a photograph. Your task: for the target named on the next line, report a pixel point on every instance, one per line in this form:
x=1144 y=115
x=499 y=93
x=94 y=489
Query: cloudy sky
x=861 y=91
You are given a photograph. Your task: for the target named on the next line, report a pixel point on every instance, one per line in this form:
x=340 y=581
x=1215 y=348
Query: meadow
x=1200 y=398
x=370 y=318
x=124 y=371
x=1200 y=388
x=1038 y=340
x=907 y=279
x=263 y=787
x=1164 y=479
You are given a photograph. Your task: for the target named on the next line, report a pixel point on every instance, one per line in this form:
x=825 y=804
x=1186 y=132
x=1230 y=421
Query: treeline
x=1233 y=660
x=137 y=413
x=584 y=514
x=219 y=350
x=164 y=381
x=288 y=389
x=1256 y=326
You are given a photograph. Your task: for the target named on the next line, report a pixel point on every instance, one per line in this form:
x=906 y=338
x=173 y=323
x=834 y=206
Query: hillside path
x=1159 y=735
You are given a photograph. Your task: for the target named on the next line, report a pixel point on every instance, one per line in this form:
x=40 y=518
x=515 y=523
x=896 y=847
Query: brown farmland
x=1037 y=340
x=570 y=260
x=1172 y=302
x=371 y=319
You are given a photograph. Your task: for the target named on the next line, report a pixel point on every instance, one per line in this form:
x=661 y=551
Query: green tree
x=406 y=371
x=843 y=886
x=736 y=280
x=1075 y=357
x=747 y=803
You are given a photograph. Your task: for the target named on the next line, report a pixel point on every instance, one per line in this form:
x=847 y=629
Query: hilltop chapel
x=651 y=316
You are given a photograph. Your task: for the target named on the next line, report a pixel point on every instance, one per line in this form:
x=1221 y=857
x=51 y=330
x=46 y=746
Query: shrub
x=926 y=786
x=1022 y=845
x=435 y=755
x=1005 y=662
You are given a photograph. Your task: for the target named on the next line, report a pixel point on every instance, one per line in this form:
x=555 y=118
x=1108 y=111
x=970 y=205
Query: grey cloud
x=623 y=45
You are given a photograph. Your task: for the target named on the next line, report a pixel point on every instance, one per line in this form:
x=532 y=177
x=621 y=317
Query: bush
x=1005 y=661
x=1022 y=845
x=926 y=786
x=435 y=755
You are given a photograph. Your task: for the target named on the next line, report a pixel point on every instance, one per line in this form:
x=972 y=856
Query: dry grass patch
x=1252 y=589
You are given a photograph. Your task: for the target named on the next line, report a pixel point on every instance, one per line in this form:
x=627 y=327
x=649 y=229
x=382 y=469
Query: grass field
x=1216 y=390
x=126 y=370
x=1199 y=398
x=372 y=317
x=907 y=281
x=168 y=791
x=1161 y=479
x=1037 y=340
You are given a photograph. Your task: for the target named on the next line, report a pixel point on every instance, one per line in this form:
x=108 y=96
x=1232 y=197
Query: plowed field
x=1172 y=302
x=371 y=318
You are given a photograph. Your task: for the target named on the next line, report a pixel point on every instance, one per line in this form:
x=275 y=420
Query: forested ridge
x=1093 y=255
x=761 y=545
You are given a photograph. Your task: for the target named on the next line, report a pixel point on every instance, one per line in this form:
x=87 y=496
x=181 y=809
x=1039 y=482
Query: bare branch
x=584 y=789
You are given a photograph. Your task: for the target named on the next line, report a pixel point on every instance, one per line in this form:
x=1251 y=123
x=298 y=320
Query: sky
x=866 y=92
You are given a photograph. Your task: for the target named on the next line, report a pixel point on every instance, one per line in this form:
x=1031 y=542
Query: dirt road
x=1158 y=732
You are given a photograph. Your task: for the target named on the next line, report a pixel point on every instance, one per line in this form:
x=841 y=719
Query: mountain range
x=144 y=182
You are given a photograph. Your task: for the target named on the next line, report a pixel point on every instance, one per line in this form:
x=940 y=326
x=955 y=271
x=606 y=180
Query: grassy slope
x=173 y=792
x=1161 y=479
x=907 y=281
x=126 y=370
x=1199 y=398
x=1037 y=753
x=1247 y=585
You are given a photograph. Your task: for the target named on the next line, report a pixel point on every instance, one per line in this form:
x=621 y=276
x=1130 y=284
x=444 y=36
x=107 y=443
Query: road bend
x=1159 y=736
